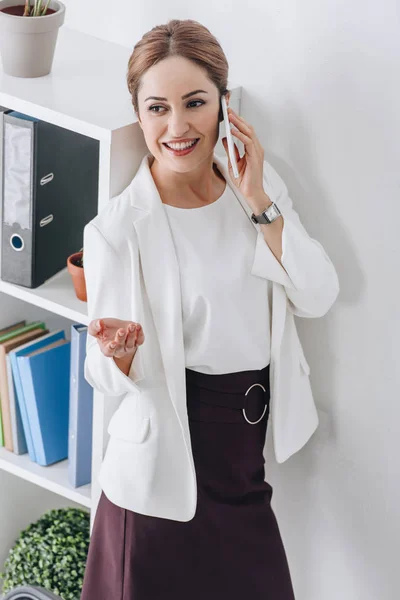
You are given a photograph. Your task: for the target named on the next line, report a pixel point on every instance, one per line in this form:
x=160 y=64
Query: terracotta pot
x=78 y=275
x=27 y=44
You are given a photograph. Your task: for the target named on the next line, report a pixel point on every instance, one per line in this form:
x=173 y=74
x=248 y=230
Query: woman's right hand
x=117 y=338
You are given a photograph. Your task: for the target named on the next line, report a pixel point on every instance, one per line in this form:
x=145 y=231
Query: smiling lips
x=181 y=149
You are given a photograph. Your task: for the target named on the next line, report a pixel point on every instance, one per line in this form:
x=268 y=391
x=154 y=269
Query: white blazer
x=132 y=273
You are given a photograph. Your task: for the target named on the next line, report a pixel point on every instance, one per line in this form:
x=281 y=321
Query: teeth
x=181 y=146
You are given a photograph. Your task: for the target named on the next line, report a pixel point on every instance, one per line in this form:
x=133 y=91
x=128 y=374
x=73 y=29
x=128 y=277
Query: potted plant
x=28 y=35
x=75 y=268
x=51 y=554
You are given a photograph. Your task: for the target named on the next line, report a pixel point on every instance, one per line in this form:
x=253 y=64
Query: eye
x=159 y=106
x=197 y=101
x=154 y=111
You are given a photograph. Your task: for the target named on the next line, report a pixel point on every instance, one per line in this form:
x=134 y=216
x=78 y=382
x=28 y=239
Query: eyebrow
x=183 y=97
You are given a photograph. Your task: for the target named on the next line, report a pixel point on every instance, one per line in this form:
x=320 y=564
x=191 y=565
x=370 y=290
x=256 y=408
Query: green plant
x=51 y=553
x=36 y=10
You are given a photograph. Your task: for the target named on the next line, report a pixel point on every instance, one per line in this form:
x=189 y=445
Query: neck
x=199 y=183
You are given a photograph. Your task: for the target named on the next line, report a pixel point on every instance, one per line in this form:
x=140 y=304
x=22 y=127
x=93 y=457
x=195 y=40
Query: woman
x=192 y=320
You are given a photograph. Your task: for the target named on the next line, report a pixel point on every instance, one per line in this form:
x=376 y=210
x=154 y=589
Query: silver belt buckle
x=265 y=407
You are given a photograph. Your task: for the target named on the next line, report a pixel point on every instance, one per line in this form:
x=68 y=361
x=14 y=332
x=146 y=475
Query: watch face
x=267 y=216
x=271 y=212
x=276 y=210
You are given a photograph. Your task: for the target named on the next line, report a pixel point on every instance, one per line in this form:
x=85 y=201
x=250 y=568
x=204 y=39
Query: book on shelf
x=46 y=401
x=2 y=332
x=9 y=341
x=80 y=412
x=43 y=340
x=45 y=381
x=17 y=427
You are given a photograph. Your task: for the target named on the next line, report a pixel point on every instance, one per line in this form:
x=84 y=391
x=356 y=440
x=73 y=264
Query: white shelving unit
x=52 y=478
x=86 y=92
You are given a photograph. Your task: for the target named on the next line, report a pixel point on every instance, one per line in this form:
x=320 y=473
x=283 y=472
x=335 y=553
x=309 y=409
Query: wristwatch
x=268 y=215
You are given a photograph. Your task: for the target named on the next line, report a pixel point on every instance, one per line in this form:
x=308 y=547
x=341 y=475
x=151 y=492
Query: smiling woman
x=222 y=539
x=178 y=111
x=177 y=100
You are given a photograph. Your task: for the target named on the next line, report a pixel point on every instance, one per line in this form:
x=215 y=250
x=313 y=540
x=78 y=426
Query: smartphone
x=229 y=138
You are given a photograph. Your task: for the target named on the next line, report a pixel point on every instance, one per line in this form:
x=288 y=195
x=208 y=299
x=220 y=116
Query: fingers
x=236 y=119
x=118 y=344
x=109 y=349
x=124 y=341
x=115 y=346
x=95 y=327
x=126 y=338
x=247 y=141
x=244 y=131
x=131 y=338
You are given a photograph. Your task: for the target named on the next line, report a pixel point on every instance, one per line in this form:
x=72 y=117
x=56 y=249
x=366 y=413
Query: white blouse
x=226 y=324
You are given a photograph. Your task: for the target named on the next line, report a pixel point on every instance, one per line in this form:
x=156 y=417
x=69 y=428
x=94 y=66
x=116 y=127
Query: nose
x=178 y=125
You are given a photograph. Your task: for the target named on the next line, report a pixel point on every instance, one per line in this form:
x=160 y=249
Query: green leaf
x=51 y=552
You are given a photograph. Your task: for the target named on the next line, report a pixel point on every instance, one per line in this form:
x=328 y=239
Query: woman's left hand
x=250 y=166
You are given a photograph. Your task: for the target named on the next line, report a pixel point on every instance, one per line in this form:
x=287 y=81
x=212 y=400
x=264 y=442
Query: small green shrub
x=51 y=553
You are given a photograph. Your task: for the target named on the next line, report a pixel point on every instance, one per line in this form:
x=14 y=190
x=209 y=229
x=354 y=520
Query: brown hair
x=185 y=38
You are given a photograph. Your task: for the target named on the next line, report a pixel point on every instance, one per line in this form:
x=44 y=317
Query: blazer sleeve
x=107 y=297
x=309 y=277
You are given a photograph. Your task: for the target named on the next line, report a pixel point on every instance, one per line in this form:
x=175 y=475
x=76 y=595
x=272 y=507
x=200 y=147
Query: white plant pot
x=27 y=44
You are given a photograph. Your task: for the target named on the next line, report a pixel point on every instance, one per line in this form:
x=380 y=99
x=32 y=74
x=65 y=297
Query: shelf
x=56 y=295
x=86 y=90
x=53 y=478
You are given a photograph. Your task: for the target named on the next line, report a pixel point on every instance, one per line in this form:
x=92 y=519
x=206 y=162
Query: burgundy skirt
x=232 y=548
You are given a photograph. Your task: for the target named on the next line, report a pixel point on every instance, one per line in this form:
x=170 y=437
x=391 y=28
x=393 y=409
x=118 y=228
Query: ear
x=227 y=96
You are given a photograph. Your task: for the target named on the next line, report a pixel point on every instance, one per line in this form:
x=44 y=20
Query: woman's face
x=175 y=117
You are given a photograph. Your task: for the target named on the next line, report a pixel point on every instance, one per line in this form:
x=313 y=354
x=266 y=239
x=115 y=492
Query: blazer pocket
x=128 y=424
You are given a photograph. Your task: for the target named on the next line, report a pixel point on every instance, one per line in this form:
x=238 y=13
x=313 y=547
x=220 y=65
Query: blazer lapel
x=161 y=271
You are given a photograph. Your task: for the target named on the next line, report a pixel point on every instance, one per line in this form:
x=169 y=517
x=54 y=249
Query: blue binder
x=17 y=428
x=19 y=393
x=45 y=382
x=80 y=412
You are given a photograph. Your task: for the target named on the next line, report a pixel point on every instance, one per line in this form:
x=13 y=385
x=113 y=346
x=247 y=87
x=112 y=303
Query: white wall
x=321 y=86
x=30 y=502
